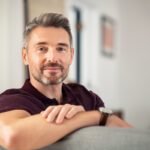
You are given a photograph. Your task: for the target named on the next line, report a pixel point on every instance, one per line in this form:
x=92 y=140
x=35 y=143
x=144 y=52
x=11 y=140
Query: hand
x=114 y=121
x=60 y=112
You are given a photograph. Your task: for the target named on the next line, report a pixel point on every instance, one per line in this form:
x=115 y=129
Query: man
x=45 y=109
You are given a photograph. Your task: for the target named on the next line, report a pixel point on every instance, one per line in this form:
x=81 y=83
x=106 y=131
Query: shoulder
x=76 y=87
x=79 y=88
x=89 y=99
x=14 y=94
x=10 y=92
x=13 y=99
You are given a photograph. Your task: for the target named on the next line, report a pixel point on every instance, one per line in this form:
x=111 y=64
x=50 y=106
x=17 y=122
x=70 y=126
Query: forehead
x=51 y=35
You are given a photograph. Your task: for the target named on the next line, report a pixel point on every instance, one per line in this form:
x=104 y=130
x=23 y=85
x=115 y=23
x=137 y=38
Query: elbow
x=10 y=139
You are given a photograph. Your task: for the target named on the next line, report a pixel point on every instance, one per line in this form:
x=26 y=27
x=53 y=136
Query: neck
x=50 y=91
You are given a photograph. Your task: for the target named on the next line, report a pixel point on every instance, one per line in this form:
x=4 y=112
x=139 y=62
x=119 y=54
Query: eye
x=41 y=49
x=61 y=49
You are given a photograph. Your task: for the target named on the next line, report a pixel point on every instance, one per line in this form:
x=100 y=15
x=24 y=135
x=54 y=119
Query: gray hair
x=47 y=20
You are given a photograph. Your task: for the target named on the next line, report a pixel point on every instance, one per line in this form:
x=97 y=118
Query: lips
x=52 y=68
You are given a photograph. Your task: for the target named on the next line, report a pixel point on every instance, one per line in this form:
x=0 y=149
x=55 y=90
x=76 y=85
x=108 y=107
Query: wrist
x=105 y=114
x=84 y=118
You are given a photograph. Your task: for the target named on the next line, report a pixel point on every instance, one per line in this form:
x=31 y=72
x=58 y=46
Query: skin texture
x=48 y=59
x=32 y=132
x=49 y=56
x=59 y=113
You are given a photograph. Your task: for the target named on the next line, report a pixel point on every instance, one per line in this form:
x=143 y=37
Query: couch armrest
x=104 y=138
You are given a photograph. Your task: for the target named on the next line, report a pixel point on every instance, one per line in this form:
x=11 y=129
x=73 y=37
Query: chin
x=52 y=82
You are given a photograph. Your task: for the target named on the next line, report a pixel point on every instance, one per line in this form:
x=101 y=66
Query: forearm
x=34 y=132
x=114 y=121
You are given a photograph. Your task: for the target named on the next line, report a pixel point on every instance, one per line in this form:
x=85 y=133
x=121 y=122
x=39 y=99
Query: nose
x=51 y=55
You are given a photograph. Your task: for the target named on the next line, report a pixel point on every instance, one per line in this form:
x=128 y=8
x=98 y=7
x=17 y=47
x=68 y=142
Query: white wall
x=122 y=82
x=11 y=29
x=98 y=73
x=134 y=70
x=38 y=7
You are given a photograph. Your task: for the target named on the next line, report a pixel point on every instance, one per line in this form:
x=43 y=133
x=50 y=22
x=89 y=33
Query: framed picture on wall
x=107 y=36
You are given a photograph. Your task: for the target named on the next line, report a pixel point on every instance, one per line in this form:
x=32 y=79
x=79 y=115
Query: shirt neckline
x=68 y=96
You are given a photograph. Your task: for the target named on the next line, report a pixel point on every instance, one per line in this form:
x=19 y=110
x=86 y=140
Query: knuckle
x=67 y=105
x=74 y=109
x=64 y=109
x=81 y=108
x=48 y=108
x=59 y=106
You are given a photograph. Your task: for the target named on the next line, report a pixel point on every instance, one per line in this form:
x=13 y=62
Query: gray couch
x=103 y=138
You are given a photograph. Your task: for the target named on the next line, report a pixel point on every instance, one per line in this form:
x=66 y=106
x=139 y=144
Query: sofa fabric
x=103 y=138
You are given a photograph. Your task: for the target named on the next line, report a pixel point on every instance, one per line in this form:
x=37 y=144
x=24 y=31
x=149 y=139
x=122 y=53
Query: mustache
x=52 y=65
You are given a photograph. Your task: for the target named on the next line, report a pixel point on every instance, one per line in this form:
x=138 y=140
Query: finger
x=41 y=112
x=47 y=111
x=53 y=114
x=71 y=113
x=74 y=111
x=62 y=114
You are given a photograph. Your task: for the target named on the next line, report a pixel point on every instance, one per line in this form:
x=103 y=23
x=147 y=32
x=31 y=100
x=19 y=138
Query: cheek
x=68 y=60
x=34 y=59
x=66 y=63
x=34 y=63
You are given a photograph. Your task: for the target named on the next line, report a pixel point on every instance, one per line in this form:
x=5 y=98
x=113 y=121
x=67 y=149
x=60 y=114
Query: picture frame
x=107 y=36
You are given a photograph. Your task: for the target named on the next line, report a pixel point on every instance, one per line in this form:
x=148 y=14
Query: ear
x=25 y=56
x=72 y=55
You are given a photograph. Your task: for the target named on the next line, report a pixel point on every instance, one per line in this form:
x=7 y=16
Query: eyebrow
x=42 y=43
x=63 y=44
x=59 y=44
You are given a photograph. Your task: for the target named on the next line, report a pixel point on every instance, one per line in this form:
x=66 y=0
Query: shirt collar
x=68 y=95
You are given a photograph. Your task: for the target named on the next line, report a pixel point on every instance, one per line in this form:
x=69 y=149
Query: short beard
x=46 y=81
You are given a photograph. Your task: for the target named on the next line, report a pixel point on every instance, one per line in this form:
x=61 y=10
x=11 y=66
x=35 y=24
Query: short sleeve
x=19 y=102
x=98 y=101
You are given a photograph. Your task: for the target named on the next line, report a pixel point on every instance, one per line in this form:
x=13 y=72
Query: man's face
x=48 y=55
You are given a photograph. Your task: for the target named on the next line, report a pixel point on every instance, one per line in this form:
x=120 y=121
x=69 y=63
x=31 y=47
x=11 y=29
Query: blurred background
x=112 y=49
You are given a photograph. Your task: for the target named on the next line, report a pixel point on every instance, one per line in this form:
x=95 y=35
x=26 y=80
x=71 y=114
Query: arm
x=114 y=121
x=31 y=132
x=58 y=113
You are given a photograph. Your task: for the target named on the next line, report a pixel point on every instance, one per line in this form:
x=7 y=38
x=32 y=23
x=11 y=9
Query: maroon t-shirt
x=30 y=99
